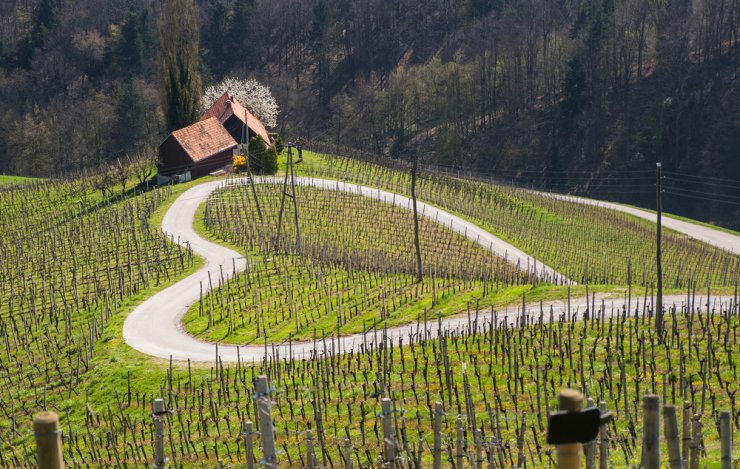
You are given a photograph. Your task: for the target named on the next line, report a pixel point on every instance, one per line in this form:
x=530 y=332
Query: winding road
x=155 y=326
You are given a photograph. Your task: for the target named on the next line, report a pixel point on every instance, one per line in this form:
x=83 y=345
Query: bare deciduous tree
x=255 y=96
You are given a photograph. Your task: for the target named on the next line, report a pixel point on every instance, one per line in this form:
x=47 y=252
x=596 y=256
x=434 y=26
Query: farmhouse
x=207 y=145
x=234 y=116
x=198 y=149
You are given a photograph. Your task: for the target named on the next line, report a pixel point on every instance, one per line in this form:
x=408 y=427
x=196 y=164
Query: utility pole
x=417 y=244
x=288 y=172
x=245 y=151
x=658 y=256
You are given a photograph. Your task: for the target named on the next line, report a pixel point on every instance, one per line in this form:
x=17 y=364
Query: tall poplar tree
x=180 y=87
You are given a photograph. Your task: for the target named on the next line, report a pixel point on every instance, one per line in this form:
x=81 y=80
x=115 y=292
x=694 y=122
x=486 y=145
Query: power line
x=735 y=186
x=712 y=194
x=696 y=197
x=735 y=181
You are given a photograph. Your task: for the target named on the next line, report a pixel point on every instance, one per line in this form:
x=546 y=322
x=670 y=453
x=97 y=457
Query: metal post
x=389 y=434
x=248 y=447
x=651 y=432
x=569 y=455
x=438 y=413
x=725 y=437
x=266 y=431
x=158 y=410
x=670 y=428
x=48 y=440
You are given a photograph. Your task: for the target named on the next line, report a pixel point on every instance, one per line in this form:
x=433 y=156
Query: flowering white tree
x=251 y=93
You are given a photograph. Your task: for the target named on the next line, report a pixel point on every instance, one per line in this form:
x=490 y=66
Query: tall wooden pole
x=295 y=207
x=288 y=164
x=245 y=148
x=658 y=254
x=417 y=244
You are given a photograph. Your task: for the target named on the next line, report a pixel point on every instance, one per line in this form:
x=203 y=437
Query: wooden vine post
x=438 y=414
x=569 y=455
x=725 y=437
x=672 y=437
x=266 y=428
x=158 y=411
x=389 y=434
x=48 y=440
x=248 y=444
x=651 y=432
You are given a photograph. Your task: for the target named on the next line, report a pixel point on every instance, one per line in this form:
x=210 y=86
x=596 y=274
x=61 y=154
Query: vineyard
x=586 y=243
x=353 y=268
x=73 y=264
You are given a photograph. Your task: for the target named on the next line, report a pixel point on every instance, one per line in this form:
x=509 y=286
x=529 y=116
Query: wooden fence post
x=389 y=434
x=48 y=440
x=651 y=432
x=248 y=447
x=158 y=410
x=725 y=437
x=266 y=429
x=670 y=428
x=438 y=413
x=569 y=455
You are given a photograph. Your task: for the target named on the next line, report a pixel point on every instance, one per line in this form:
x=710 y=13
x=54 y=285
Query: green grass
x=14 y=179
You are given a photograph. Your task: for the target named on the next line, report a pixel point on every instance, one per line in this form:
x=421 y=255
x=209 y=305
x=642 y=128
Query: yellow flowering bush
x=239 y=162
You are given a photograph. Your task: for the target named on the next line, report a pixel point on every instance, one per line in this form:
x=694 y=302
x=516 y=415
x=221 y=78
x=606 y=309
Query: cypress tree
x=179 y=62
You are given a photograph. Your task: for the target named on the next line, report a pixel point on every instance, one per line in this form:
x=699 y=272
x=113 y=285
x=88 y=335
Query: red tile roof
x=227 y=106
x=204 y=139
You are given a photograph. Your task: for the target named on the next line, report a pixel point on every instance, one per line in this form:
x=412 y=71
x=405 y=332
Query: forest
x=572 y=96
